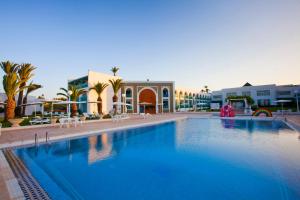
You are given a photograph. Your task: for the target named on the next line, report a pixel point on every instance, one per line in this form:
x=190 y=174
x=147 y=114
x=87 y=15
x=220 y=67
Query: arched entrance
x=147 y=101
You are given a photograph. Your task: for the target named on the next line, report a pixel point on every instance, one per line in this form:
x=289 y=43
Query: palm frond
x=116 y=85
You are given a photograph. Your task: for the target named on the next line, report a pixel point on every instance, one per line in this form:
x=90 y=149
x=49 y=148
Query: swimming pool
x=187 y=159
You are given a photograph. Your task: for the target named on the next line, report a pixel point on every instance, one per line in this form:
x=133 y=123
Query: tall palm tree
x=11 y=86
x=25 y=73
x=114 y=70
x=30 y=88
x=116 y=85
x=99 y=88
x=76 y=92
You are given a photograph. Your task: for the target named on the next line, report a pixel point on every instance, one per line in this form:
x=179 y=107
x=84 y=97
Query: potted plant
x=82 y=118
x=53 y=120
x=15 y=122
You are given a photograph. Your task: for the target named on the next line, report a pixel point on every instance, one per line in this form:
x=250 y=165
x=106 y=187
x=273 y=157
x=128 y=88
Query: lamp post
x=296 y=93
x=69 y=105
x=124 y=102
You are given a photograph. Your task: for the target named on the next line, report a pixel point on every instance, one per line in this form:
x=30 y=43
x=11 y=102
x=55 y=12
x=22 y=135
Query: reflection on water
x=207 y=159
x=100 y=148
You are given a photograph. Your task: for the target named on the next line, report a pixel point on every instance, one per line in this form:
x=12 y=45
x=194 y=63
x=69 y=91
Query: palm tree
x=114 y=70
x=116 y=85
x=25 y=73
x=75 y=93
x=206 y=89
x=11 y=86
x=99 y=88
x=30 y=88
x=180 y=94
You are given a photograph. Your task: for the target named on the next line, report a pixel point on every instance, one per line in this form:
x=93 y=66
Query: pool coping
x=76 y=135
x=11 y=182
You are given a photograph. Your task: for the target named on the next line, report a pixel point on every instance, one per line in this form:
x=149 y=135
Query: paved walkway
x=294 y=120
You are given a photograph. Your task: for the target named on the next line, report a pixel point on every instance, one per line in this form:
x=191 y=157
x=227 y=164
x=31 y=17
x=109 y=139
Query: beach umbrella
x=33 y=104
x=121 y=104
x=68 y=103
x=51 y=101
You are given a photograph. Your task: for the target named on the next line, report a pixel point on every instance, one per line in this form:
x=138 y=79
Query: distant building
x=156 y=95
x=186 y=100
x=263 y=95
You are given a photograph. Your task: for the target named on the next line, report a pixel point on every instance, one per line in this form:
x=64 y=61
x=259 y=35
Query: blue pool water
x=188 y=159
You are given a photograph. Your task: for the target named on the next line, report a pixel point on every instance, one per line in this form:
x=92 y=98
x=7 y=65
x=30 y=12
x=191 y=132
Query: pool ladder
x=36 y=139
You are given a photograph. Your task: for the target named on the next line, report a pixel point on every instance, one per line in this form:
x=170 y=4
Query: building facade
x=141 y=96
x=263 y=95
x=149 y=96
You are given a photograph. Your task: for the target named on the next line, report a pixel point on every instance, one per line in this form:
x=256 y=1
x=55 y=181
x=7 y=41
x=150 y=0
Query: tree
x=180 y=94
x=11 y=85
x=30 y=88
x=206 y=89
x=76 y=92
x=25 y=73
x=114 y=70
x=249 y=99
x=116 y=85
x=99 y=88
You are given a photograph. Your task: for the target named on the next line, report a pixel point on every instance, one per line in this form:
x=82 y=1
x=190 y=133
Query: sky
x=192 y=42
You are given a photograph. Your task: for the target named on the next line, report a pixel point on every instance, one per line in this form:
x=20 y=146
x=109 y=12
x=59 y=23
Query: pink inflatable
x=227 y=111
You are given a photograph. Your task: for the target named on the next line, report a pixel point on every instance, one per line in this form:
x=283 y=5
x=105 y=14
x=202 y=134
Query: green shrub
x=25 y=122
x=107 y=116
x=5 y=124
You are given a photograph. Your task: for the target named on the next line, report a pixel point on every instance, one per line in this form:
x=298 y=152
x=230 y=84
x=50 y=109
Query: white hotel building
x=263 y=95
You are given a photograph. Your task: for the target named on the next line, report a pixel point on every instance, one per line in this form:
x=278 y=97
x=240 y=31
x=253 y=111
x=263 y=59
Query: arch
x=265 y=111
x=148 y=95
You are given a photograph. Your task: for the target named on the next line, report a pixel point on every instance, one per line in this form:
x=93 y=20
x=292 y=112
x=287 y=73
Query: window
x=246 y=93
x=231 y=94
x=165 y=92
x=165 y=99
x=263 y=93
x=217 y=96
x=80 y=83
x=128 y=93
x=166 y=104
x=129 y=99
x=263 y=102
x=283 y=93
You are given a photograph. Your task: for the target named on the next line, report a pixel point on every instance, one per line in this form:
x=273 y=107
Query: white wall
x=30 y=99
x=93 y=78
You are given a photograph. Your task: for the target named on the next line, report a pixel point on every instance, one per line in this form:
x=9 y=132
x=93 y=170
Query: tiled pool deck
x=9 y=188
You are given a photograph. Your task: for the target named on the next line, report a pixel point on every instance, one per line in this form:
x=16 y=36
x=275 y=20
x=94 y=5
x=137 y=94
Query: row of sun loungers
x=39 y=120
x=69 y=121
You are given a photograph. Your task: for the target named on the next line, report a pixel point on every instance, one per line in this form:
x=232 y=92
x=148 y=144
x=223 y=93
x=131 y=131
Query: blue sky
x=192 y=42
